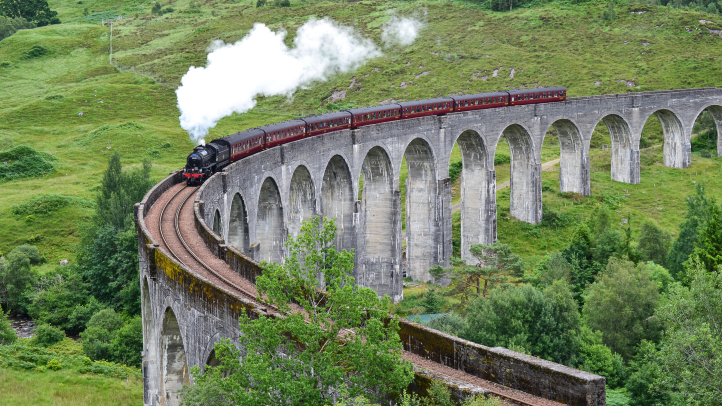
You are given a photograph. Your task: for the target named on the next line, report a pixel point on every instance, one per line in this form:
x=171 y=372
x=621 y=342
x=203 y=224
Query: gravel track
x=167 y=205
x=511 y=396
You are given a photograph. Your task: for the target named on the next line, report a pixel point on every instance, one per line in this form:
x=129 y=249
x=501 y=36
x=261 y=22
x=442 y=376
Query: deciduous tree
x=37 y=11
x=340 y=338
x=621 y=304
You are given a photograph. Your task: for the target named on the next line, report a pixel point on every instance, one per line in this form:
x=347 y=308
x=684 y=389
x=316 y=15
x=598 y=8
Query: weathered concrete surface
x=332 y=165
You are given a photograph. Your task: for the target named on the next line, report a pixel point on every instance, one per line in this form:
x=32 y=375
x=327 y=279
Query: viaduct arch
x=245 y=213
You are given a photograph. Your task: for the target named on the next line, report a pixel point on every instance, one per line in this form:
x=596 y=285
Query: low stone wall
x=508 y=368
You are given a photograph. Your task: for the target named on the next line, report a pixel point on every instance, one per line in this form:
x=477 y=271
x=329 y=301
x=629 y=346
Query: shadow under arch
x=625 y=158
x=423 y=243
x=525 y=176
x=238 y=235
x=150 y=346
x=478 y=194
x=337 y=201
x=174 y=365
x=572 y=173
x=217 y=223
x=301 y=200
x=381 y=226
x=677 y=149
x=270 y=230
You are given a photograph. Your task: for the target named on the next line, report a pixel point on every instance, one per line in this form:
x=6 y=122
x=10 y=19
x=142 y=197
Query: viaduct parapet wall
x=244 y=214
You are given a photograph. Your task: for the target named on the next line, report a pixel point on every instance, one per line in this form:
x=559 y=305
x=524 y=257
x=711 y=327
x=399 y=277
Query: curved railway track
x=171 y=236
x=183 y=253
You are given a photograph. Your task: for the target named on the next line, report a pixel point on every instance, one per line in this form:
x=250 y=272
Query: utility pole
x=111 y=42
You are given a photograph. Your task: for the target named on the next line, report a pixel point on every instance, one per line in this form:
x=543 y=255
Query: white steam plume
x=261 y=63
x=401 y=31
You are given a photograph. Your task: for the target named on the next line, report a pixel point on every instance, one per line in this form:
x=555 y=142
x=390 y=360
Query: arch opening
x=337 y=201
x=301 y=200
x=270 y=231
x=478 y=197
x=238 y=224
x=706 y=128
x=625 y=157
x=379 y=202
x=174 y=369
x=150 y=364
x=524 y=177
x=572 y=174
x=423 y=243
x=677 y=150
x=217 y=226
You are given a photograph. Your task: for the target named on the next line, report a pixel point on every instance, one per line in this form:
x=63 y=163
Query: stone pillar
x=444 y=220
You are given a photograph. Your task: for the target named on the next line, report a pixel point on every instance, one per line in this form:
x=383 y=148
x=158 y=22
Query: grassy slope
x=556 y=45
x=66 y=388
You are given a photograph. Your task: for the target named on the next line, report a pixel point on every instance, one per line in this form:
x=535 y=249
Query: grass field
x=132 y=109
x=67 y=388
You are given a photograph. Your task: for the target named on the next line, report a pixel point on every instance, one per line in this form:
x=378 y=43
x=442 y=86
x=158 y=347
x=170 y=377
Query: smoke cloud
x=261 y=64
x=401 y=31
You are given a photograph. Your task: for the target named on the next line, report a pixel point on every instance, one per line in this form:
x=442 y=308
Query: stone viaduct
x=245 y=213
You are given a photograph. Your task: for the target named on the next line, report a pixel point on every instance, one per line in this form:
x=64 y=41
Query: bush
x=54 y=365
x=260 y=3
x=500 y=159
x=25 y=162
x=35 y=52
x=127 y=345
x=455 y=170
x=7 y=334
x=47 y=335
x=451 y=323
x=47 y=204
x=283 y=3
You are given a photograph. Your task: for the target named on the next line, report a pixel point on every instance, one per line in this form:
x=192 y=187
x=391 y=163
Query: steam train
x=207 y=159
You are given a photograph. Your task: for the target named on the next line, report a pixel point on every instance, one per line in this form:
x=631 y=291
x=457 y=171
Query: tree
x=325 y=340
x=597 y=358
x=433 y=302
x=9 y=26
x=621 y=304
x=56 y=297
x=108 y=253
x=698 y=207
x=127 y=344
x=552 y=268
x=16 y=277
x=708 y=247
x=47 y=335
x=101 y=330
x=493 y=262
x=644 y=371
x=654 y=243
x=690 y=351
x=37 y=11
x=544 y=323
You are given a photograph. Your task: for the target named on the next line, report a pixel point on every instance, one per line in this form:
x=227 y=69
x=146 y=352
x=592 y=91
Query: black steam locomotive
x=205 y=160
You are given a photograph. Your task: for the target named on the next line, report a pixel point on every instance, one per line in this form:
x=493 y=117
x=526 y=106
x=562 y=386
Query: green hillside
x=131 y=107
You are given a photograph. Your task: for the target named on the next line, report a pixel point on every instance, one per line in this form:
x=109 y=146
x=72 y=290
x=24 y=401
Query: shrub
x=54 y=365
x=47 y=335
x=47 y=204
x=283 y=3
x=100 y=332
x=35 y=52
x=128 y=343
x=500 y=159
x=7 y=334
x=260 y=3
x=25 y=162
x=455 y=170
